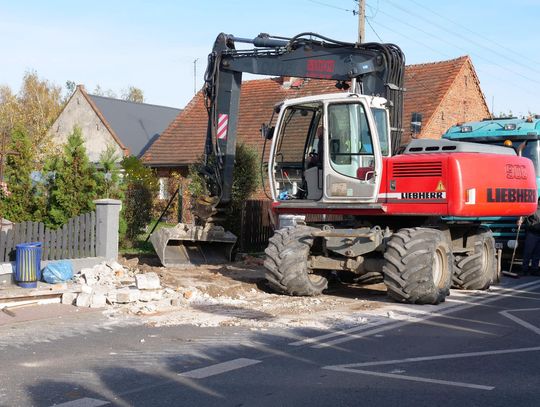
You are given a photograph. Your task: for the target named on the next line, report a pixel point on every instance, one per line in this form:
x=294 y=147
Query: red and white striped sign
x=223 y=122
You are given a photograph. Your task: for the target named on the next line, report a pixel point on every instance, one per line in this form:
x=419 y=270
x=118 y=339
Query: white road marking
x=85 y=402
x=353 y=333
x=219 y=368
x=417 y=379
x=352 y=368
x=521 y=322
x=443 y=357
x=368 y=325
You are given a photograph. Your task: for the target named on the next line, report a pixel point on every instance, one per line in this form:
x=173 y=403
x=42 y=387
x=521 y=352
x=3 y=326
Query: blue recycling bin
x=28 y=264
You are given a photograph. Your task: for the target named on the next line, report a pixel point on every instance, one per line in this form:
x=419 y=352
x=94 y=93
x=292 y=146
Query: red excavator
x=380 y=210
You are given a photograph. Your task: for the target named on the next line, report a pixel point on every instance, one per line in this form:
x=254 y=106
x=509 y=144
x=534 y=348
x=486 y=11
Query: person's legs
x=528 y=249
x=535 y=270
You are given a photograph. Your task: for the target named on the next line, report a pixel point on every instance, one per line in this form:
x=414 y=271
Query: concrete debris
x=69 y=298
x=114 y=266
x=113 y=285
x=83 y=300
x=147 y=281
x=221 y=295
x=150 y=295
x=127 y=294
x=98 y=301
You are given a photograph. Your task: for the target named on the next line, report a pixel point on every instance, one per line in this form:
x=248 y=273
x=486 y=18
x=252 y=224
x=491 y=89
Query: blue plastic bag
x=58 y=272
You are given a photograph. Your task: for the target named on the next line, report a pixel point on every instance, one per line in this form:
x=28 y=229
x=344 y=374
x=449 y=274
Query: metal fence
x=75 y=239
x=256 y=227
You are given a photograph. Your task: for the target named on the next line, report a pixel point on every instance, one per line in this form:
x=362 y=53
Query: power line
x=475 y=33
x=503 y=81
x=332 y=6
x=373 y=29
x=457 y=34
x=460 y=48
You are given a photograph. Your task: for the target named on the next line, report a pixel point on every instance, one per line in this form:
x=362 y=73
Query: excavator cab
x=329 y=149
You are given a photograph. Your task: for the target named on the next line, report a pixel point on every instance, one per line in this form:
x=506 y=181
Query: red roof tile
x=182 y=142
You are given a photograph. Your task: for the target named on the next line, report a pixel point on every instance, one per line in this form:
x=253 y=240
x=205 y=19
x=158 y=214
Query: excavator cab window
x=350 y=140
x=381 y=121
x=291 y=156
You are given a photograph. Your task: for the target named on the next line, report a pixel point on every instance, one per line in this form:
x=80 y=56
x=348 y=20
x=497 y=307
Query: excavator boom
x=372 y=69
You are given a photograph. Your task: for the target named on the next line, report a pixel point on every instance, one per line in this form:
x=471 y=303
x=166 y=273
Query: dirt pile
x=228 y=295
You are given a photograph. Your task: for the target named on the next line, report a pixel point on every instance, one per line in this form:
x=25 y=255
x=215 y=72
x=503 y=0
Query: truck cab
x=521 y=134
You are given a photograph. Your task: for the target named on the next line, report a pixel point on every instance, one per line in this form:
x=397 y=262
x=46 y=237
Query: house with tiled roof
x=444 y=93
x=129 y=127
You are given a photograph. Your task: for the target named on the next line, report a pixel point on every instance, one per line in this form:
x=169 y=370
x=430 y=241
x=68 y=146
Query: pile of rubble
x=220 y=295
x=112 y=285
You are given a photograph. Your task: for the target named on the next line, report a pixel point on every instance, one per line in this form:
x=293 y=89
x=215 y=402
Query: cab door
x=353 y=164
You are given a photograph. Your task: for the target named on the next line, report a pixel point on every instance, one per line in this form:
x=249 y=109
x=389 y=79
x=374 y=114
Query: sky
x=162 y=46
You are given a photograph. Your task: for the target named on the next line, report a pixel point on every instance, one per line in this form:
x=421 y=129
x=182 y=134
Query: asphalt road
x=477 y=349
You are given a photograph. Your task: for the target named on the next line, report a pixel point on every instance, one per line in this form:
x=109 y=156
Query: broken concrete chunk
x=85 y=288
x=98 y=301
x=177 y=302
x=151 y=295
x=111 y=296
x=68 y=298
x=127 y=295
x=119 y=273
x=83 y=300
x=90 y=277
x=147 y=281
x=114 y=265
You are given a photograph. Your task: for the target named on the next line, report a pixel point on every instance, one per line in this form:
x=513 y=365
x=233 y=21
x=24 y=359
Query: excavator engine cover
x=189 y=244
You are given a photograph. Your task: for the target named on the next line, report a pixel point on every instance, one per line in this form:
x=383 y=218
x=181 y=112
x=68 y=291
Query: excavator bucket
x=188 y=244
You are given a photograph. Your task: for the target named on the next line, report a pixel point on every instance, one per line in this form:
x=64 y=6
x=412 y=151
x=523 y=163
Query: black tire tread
x=469 y=272
x=286 y=262
x=407 y=269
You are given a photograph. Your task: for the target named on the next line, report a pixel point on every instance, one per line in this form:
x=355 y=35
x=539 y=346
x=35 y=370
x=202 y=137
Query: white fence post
x=107 y=222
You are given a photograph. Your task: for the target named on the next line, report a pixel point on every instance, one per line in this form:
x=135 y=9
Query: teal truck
x=521 y=134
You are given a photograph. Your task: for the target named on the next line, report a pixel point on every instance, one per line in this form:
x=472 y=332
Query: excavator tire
x=478 y=269
x=418 y=266
x=286 y=263
x=372 y=277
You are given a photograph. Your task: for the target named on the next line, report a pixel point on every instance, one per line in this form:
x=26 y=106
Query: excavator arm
x=370 y=69
x=376 y=69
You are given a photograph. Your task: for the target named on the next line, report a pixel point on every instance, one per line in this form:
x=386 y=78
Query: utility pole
x=361 y=21
x=195 y=76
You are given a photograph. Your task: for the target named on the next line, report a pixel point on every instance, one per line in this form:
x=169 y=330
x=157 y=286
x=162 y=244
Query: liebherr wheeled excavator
x=340 y=154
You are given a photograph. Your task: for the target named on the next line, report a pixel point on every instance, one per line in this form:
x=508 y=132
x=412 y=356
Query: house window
x=163 y=188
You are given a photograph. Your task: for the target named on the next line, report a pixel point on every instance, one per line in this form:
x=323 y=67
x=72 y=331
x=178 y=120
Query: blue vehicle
x=521 y=134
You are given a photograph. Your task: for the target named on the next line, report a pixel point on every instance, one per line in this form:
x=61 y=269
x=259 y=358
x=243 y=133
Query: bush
x=175 y=182
x=140 y=188
x=18 y=202
x=245 y=183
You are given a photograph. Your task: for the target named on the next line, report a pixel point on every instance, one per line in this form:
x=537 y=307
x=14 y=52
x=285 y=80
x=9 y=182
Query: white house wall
x=78 y=112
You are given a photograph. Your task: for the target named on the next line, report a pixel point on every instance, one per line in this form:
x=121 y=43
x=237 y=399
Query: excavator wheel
x=418 y=266
x=478 y=269
x=372 y=277
x=286 y=263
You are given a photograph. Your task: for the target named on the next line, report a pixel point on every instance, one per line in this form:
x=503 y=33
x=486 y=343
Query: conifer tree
x=19 y=204
x=72 y=185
